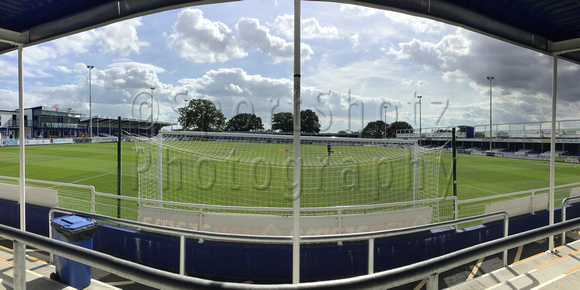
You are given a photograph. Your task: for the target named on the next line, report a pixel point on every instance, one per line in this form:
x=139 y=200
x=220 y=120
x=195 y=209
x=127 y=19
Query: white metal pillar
x=415 y=172
x=159 y=168
x=553 y=145
x=296 y=149
x=90 y=67
x=21 y=140
x=20 y=249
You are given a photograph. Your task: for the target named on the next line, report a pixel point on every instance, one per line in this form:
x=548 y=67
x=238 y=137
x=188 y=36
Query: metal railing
x=386 y=279
x=565 y=202
x=457 y=204
x=532 y=193
x=339 y=239
x=338 y=209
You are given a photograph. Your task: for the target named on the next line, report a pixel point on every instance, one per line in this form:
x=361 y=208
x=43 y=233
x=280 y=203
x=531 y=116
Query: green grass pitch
x=260 y=174
x=96 y=165
x=85 y=164
x=479 y=176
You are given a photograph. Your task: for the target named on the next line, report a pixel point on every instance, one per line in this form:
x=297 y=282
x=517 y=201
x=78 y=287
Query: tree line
x=202 y=115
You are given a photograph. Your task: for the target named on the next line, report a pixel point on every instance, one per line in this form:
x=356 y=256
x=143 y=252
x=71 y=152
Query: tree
x=396 y=126
x=309 y=122
x=283 y=122
x=244 y=122
x=374 y=129
x=201 y=115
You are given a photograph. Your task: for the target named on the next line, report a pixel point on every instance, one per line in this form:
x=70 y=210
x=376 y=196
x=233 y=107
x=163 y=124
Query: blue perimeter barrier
x=272 y=263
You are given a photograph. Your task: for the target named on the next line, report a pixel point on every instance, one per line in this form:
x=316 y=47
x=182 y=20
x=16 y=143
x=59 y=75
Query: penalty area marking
x=97 y=176
x=476 y=188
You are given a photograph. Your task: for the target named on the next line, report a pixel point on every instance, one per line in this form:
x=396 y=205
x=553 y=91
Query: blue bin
x=78 y=231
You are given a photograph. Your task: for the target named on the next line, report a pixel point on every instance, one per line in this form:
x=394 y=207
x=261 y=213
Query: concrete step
x=564 y=281
x=532 y=272
x=543 y=274
x=37 y=274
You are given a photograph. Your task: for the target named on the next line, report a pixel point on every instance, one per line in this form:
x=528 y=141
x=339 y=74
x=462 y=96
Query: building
x=43 y=122
x=53 y=122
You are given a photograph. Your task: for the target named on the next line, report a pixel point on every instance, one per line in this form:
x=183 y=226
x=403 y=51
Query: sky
x=354 y=62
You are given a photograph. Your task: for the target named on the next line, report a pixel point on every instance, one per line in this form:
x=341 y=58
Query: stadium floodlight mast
x=90 y=67
x=420 y=129
x=152 y=88
x=385 y=107
x=490 y=136
x=185 y=112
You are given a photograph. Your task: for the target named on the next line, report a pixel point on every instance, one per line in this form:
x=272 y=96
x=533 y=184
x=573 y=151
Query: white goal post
x=255 y=170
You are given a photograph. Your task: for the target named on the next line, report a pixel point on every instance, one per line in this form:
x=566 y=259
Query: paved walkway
x=535 y=269
x=37 y=274
x=546 y=270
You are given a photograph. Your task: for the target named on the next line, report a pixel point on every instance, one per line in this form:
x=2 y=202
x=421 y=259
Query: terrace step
x=542 y=271
x=37 y=274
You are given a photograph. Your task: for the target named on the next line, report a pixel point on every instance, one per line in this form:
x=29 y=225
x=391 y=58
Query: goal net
x=256 y=170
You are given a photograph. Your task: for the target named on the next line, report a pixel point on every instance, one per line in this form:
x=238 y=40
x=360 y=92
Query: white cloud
x=43 y=60
x=252 y=32
x=358 y=11
x=77 y=43
x=9 y=69
x=355 y=40
x=8 y=99
x=138 y=77
x=380 y=56
x=63 y=69
x=416 y=24
x=38 y=55
x=235 y=82
x=310 y=28
x=132 y=64
x=120 y=38
x=201 y=40
x=442 y=55
x=522 y=84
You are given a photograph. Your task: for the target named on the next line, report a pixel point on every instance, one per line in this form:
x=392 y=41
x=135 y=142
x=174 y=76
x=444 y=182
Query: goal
x=255 y=170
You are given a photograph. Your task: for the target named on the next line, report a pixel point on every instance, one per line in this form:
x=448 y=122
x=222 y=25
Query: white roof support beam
x=12 y=37
x=566 y=46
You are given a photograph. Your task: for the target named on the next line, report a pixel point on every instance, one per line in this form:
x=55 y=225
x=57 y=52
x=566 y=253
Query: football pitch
x=96 y=165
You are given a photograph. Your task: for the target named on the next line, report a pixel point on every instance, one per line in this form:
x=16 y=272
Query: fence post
x=339 y=221
x=93 y=201
x=182 y=255
x=506 y=220
x=433 y=282
x=533 y=202
x=19 y=265
x=371 y=255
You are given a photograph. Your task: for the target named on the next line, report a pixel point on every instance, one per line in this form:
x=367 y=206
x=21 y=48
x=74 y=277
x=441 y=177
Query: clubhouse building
x=51 y=122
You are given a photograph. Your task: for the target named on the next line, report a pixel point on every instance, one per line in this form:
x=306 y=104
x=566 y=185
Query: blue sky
x=354 y=61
